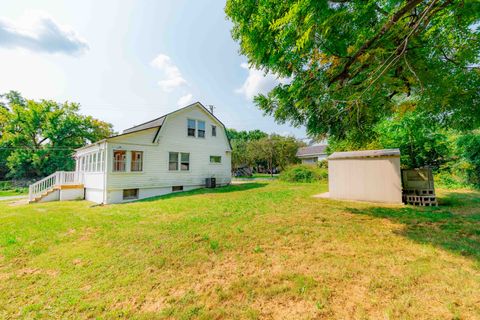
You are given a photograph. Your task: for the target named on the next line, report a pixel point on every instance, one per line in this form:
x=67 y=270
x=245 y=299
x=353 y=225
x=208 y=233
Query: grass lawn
x=20 y=192
x=255 y=250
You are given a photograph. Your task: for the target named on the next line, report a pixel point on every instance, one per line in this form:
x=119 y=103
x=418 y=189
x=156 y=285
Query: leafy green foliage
x=257 y=148
x=303 y=173
x=352 y=64
x=39 y=137
x=469 y=148
x=420 y=139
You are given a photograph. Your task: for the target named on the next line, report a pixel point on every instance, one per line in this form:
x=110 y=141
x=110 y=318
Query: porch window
x=137 y=161
x=185 y=161
x=191 y=128
x=214 y=131
x=119 y=160
x=173 y=161
x=201 y=129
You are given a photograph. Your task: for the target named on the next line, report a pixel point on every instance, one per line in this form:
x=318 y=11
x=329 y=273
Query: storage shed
x=370 y=175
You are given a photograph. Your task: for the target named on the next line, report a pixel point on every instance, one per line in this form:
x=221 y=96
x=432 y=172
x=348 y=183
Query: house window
x=177 y=188
x=214 y=131
x=185 y=161
x=137 y=161
x=173 y=161
x=215 y=159
x=201 y=129
x=119 y=160
x=191 y=128
x=129 y=194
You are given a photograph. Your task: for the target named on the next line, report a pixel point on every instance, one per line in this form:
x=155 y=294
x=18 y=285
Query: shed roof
x=365 y=154
x=312 y=150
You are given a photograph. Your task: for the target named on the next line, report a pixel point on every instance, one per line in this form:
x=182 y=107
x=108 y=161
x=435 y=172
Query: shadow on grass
x=454 y=225
x=226 y=189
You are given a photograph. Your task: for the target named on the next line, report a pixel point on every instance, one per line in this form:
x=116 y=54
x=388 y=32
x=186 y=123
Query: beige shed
x=370 y=175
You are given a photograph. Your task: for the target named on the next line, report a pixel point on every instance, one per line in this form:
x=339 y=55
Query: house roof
x=147 y=125
x=312 y=150
x=365 y=154
x=157 y=123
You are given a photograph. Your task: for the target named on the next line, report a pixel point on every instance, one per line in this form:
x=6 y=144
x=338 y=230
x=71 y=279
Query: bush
x=303 y=173
x=469 y=148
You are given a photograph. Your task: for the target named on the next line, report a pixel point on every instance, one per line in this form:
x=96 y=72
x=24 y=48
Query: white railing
x=55 y=179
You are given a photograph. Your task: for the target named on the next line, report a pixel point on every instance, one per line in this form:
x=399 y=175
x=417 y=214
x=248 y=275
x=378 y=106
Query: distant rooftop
x=365 y=154
x=312 y=150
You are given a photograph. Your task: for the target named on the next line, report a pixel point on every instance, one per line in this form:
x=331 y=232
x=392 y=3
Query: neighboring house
x=175 y=152
x=312 y=154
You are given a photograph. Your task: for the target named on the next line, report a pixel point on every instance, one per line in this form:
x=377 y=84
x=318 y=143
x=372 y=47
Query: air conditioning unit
x=210 y=182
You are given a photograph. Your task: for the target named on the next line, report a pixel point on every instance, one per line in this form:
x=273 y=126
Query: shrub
x=303 y=173
x=469 y=148
x=323 y=164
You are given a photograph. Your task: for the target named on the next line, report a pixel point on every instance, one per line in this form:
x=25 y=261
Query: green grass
x=16 y=192
x=255 y=250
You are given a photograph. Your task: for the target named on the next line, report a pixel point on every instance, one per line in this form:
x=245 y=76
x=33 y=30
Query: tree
x=469 y=148
x=40 y=136
x=239 y=141
x=354 y=63
x=419 y=138
x=274 y=151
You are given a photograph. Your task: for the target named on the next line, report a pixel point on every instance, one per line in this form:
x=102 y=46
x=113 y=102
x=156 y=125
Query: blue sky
x=127 y=62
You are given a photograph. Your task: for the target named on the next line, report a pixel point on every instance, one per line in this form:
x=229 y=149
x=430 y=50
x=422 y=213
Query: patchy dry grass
x=256 y=250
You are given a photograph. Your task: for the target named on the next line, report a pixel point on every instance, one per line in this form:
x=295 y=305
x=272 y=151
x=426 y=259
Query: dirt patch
x=36 y=271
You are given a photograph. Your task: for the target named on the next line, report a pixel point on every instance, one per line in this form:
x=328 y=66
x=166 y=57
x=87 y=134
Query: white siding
x=94 y=195
x=155 y=176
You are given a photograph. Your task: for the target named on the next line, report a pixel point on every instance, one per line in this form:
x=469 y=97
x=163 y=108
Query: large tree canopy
x=39 y=137
x=353 y=63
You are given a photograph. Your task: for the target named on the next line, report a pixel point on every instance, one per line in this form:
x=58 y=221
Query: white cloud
x=40 y=33
x=173 y=77
x=185 y=100
x=258 y=82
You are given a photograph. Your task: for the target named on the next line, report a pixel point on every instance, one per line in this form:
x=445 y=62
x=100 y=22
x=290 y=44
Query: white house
x=312 y=154
x=176 y=152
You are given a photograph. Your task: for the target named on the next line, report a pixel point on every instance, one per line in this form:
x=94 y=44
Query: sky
x=127 y=62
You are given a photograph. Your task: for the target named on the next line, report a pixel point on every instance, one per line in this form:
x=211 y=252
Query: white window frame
x=179 y=161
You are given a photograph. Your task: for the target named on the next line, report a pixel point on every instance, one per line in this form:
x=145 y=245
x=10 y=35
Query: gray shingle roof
x=312 y=150
x=365 y=154
x=155 y=123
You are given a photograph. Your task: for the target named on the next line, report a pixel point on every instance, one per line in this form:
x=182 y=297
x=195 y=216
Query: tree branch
x=390 y=23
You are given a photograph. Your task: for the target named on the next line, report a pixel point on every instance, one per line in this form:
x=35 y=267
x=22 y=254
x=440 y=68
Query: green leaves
x=354 y=63
x=39 y=137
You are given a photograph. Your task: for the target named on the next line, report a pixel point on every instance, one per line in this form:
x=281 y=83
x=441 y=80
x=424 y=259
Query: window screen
x=119 y=160
x=185 y=161
x=173 y=161
x=137 y=161
x=201 y=129
x=191 y=128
